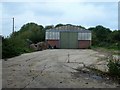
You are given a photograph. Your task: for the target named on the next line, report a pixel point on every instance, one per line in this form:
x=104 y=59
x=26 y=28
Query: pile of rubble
x=39 y=46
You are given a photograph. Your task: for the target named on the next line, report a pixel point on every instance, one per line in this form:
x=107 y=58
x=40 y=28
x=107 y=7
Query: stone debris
x=39 y=46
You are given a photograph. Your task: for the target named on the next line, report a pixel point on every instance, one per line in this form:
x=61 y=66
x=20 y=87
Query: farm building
x=68 y=37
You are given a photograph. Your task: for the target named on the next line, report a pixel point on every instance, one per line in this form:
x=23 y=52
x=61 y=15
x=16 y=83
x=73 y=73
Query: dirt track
x=50 y=69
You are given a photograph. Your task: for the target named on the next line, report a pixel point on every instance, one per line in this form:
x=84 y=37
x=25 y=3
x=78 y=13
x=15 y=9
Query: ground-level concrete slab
x=54 y=68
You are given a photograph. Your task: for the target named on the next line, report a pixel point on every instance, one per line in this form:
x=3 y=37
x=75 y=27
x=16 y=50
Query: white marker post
x=68 y=58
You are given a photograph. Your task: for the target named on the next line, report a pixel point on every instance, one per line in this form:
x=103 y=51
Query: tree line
x=19 y=41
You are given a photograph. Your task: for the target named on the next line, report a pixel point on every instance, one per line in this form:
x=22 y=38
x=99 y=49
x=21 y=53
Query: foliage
x=18 y=43
x=13 y=46
x=49 y=27
x=114 y=68
x=104 y=37
x=58 y=25
x=32 y=31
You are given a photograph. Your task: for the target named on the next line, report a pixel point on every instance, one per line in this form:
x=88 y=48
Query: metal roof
x=81 y=31
x=68 y=28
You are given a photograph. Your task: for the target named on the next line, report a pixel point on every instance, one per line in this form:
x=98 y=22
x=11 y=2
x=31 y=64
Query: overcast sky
x=51 y=12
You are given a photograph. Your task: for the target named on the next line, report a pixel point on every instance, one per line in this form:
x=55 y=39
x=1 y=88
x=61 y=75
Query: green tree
x=49 y=27
x=100 y=35
x=18 y=43
x=58 y=25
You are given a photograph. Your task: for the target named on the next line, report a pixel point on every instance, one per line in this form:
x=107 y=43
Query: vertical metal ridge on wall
x=69 y=37
x=84 y=36
x=52 y=35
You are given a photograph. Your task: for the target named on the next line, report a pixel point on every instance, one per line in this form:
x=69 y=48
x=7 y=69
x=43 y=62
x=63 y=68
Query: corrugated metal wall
x=52 y=35
x=73 y=42
x=69 y=38
x=84 y=36
x=56 y=36
x=64 y=40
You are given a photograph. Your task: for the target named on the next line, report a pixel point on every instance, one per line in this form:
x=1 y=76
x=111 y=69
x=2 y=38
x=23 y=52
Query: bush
x=13 y=47
x=114 y=68
x=10 y=51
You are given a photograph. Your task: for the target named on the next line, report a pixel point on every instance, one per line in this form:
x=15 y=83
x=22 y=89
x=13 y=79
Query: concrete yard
x=50 y=69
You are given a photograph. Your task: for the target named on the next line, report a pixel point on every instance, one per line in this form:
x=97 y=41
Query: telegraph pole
x=13 y=24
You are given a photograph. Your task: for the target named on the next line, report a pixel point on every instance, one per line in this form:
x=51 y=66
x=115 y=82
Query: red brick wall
x=53 y=43
x=81 y=43
x=84 y=43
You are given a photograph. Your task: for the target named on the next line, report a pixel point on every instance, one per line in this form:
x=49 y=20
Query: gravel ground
x=55 y=68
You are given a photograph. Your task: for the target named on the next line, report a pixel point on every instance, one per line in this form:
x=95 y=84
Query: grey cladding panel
x=84 y=36
x=52 y=35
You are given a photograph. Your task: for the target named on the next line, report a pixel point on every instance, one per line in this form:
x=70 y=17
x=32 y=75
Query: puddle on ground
x=92 y=75
x=87 y=74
